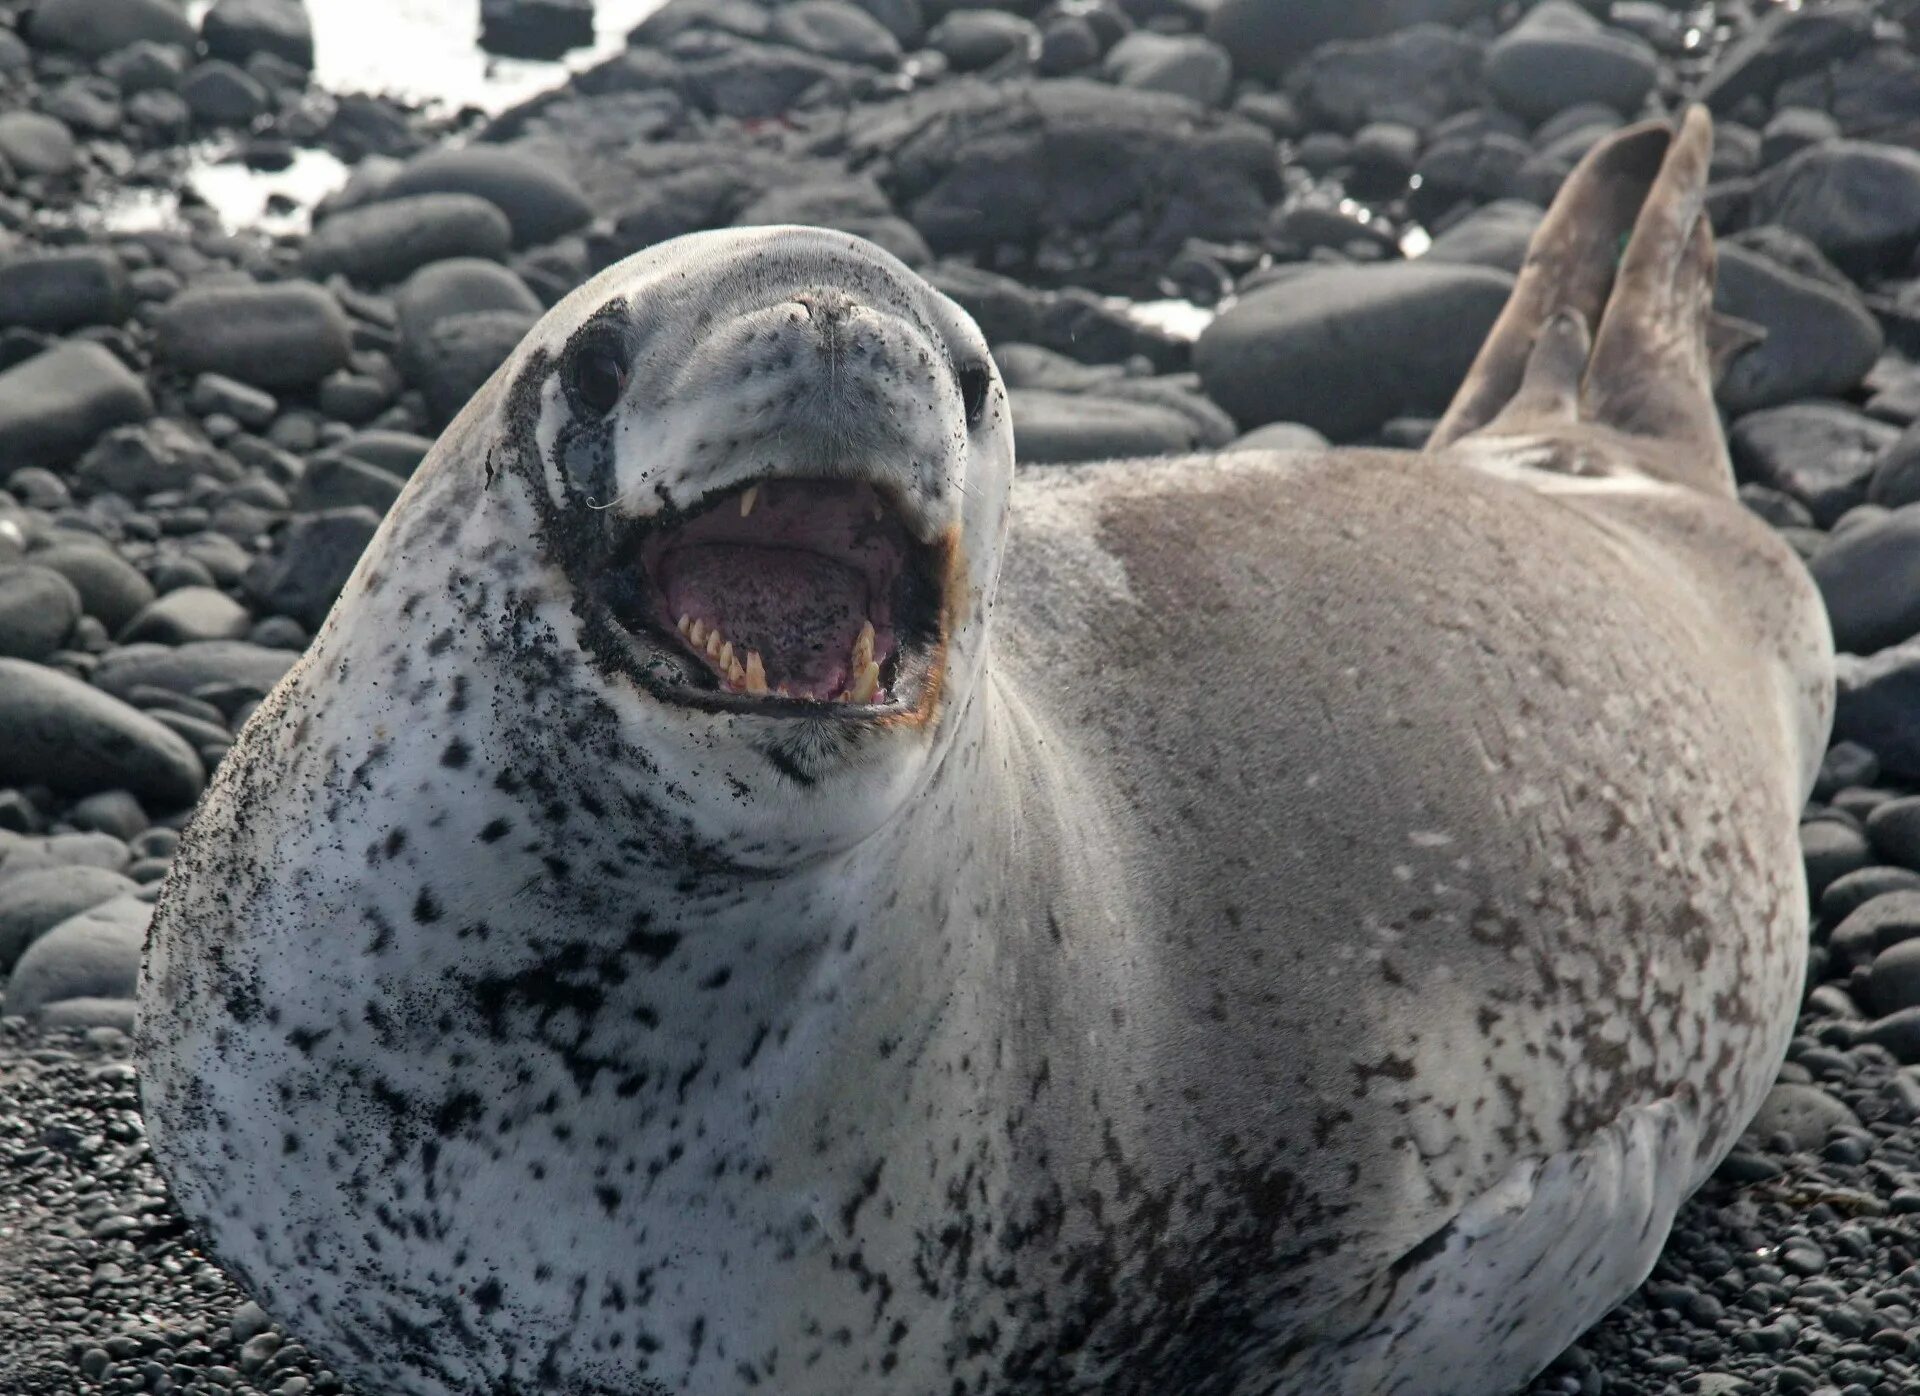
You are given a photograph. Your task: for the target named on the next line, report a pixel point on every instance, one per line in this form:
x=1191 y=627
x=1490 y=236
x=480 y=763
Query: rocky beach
x=247 y=275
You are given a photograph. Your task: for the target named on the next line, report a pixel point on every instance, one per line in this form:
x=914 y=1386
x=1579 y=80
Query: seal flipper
x=1651 y=371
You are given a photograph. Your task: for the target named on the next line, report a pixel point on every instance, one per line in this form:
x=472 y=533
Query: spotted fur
x=1338 y=907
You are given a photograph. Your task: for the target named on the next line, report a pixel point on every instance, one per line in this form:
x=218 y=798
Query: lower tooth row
x=750 y=675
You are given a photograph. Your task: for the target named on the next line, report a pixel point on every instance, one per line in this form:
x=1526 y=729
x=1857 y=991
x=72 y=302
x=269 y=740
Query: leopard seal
x=1249 y=923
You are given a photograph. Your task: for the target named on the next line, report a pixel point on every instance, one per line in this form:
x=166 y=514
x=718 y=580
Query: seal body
x=1290 y=923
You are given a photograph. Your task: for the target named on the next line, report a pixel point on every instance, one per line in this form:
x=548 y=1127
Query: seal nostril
x=975 y=379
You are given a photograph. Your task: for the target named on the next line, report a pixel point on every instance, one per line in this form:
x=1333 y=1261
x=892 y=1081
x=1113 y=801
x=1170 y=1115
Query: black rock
x=1898 y=1032
x=111 y=589
x=188 y=614
x=375 y=244
x=59 y=732
x=397 y=452
x=220 y=94
x=1067 y=45
x=229 y=666
x=1821 y=340
x=1267 y=37
x=1876 y=925
x=541 y=202
x=311 y=563
x=1057 y=428
x=36 y=144
x=1343 y=349
x=1845 y=764
x=338 y=481
x=237 y=29
x=1847 y=894
x=163 y=454
x=1870 y=579
x=453 y=360
x=1793 y=129
x=96 y=28
x=835 y=29
x=1894 y=982
x=1805 y=1113
x=286 y=334
x=1821 y=453
x=1414 y=77
x=1184 y=65
x=33 y=903
x=38 y=608
x=1559 y=56
x=56 y=403
x=246 y=404
x=535 y=28
x=1831 y=849
x=1894 y=831
x=1857 y=202
x=974 y=39
x=1787 y=43
x=63 y=290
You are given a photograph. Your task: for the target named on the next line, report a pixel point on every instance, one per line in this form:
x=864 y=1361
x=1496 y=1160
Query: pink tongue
x=800 y=610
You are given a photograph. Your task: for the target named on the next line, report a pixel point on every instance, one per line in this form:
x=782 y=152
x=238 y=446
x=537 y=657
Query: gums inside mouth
x=789 y=591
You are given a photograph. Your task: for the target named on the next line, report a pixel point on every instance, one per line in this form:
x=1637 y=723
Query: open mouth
x=785 y=595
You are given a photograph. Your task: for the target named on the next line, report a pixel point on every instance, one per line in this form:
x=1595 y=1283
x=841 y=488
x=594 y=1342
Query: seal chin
x=783 y=597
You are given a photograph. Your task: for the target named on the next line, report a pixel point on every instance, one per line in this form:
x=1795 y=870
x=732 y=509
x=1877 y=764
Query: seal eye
x=975 y=378
x=596 y=373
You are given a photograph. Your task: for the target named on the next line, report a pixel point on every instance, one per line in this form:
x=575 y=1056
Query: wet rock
x=111 y=589
x=287 y=334
x=95 y=28
x=1182 y=64
x=162 y=454
x=1821 y=340
x=38 y=608
x=974 y=39
x=380 y=243
x=55 y=403
x=1056 y=428
x=33 y=903
x=246 y=404
x=220 y=94
x=1870 y=580
x=1495 y=235
x=1856 y=201
x=238 y=29
x=535 y=28
x=541 y=202
x=1342 y=349
x=61 y=733
x=190 y=613
x=395 y=451
x=453 y=359
x=1875 y=926
x=1067 y=45
x=63 y=290
x=1785 y=44
x=1793 y=130
x=228 y=666
x=33 y=143
x=1821 y=453
x=311 y=563
x=1267 y=37
x=1848 y=893
x=95 y=954
x=1415 y=78
x=1806 y=1114
x=1831 y=848
x=834 y=29
x=1894 y=831
x=144 y=67
x=337 y=481
x=1559 y=56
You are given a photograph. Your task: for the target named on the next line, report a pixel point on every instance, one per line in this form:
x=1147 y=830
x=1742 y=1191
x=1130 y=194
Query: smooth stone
x=118 y=1015
x=111 y=589
x=1267 y=37
x=1182 y=64
x=61 y=291
x=1821 y=453
x=191 y=668
x=458 y=286
x=397 y=452
x=95 y=28
x=1067 y=45
x=22 y=854
x=1898 y=1032
x=95 y=954
x=541 y=202
x=60 y=732
x=1280 y=436
x=310 y=564
x=162 y=455
x=974 y=39
x=56 y=403
x=114 y=812
x=1784 y=44
x=1869 y=577
x=1494 y=235
x=33 y=903
x=834 y=29
x=38 y=608
x=1845 y=763
x=1415 y=77
x=36 y=144
x=535 y=28
x=237 y=29
x=287 y=334
x=376 y=244
x=1847 y=894
x=1831 y=849
x=1792 y=130
x=1806 y=1114
x=246 y=404
x=1894 y=831
x=1058 y=428
x=189 y=614
x=1343 y=349
x=1875 y=926
x=221 y=94
x=1893 y=983
x=1856 y=201
x=342 y=481
x=1821 y=339
x=1878 y=705
x=1559 y=56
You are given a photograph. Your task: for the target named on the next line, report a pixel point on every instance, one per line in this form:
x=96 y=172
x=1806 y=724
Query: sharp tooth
x=736 y=672
x=784 y=691
x=699 y=632
x=861 y=690
x=713 y=643
x=725 y=658
x=755 y=674
x=879 y=513
x=685 y=625
x=863 y=647
x=746 y=499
